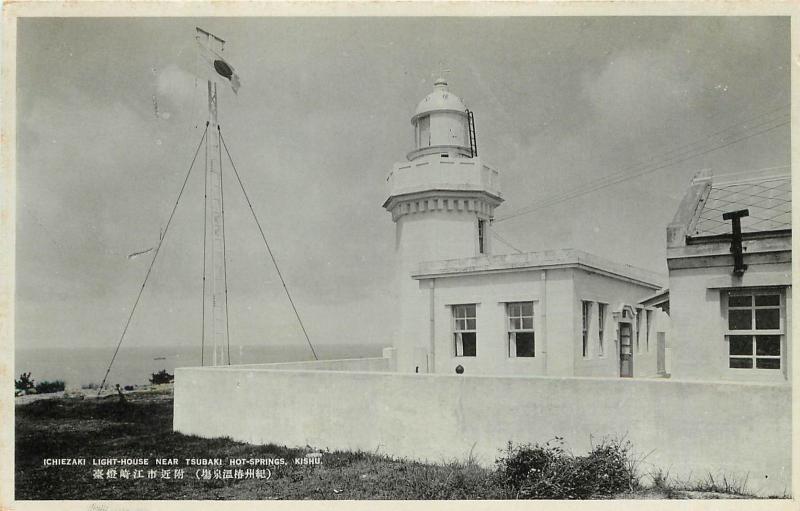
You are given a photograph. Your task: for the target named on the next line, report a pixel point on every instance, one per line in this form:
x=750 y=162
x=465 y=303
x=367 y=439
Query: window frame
x=602 y=309
x=423 y=120
x=638 y=340
x=586 y=314
x=512 y=331
x=481 y=236
x=753 y=332
x=458 y=341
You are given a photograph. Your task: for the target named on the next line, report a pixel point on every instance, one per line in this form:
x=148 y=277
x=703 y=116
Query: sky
x=110 y=113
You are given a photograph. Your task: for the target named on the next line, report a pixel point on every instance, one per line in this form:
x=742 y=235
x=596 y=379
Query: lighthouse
x=442 y=200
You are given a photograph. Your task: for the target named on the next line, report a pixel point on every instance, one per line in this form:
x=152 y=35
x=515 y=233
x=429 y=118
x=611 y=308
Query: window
x=638 y=329
x=755 y=329
x=520 y=329
x=586 y=312
x=481 y=235
x=648 y=322
x=601 y=318
x=424 y=124
x=464 y=330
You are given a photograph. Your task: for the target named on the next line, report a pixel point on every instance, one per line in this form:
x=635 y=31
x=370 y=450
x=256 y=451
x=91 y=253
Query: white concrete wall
x=597 y=288
x=421 y=237
x=700 y=350
x=556 y=295
x=663 y=324
x=436 y=173
x=491 y=292
x=686 y=427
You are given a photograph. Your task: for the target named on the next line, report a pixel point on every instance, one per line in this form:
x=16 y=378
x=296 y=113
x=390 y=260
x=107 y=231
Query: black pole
x=736 y=239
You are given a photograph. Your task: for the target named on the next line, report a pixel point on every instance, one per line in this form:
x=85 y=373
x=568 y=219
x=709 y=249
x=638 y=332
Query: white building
x=463 y=309
x=519 y=328
x=729 y=322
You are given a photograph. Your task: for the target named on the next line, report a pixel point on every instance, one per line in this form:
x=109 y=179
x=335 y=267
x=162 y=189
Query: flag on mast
x=217 y=68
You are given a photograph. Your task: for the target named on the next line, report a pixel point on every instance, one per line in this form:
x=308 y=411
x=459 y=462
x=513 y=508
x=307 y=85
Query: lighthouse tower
x=441 y=200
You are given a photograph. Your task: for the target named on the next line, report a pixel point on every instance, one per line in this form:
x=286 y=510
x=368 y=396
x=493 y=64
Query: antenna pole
x=216 y=226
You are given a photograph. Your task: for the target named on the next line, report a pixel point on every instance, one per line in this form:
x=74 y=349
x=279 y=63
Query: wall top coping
x=278 y=365
x=781 y=386
x=549 y=259
x=719 y=247
x=432 y=172
x=779 y=279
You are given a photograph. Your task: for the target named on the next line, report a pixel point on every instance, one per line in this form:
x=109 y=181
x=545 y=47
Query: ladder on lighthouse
x=473 y=142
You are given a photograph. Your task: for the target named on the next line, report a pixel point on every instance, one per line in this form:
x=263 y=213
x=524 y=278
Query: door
x=661 y=352
x=625 y=351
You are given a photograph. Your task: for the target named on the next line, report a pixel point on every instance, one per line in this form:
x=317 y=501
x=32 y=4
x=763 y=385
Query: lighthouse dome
x=441 y=125
x=438 y=100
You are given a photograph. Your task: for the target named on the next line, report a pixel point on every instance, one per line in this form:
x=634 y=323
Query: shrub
x=162 y=377
x=24 y=383
x=47 y=387
x=549 y=472
x=607 y=469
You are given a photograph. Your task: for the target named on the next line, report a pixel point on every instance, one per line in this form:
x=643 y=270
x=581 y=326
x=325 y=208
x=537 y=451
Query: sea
x=82 y=367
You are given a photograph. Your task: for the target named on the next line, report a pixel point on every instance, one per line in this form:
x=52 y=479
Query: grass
x=720 y=486
x=141 y=427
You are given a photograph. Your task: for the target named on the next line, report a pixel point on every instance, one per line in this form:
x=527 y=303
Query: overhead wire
x=622 y=176
x=503 y=240
x=224 y=249
x=684 y=147
x=266 y=244
x=153 y=261
x=614 y=177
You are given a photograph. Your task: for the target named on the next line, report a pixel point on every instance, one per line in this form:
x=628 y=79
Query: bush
x=48 y=387
x=549 y=472
x=24 y=383
x=162 y=377
x=607 y=469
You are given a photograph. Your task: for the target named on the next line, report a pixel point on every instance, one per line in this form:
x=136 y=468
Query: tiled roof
x=769 y=200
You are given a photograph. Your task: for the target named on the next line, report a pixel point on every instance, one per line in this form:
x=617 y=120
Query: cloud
x=637 y=90
x=704 y=66
x=175 y=89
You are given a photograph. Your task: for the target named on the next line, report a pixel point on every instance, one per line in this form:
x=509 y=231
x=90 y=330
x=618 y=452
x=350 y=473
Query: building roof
x=766 y=194
x=439 y=99
x=768 y=199
x=659 y=299
x=550 y=259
